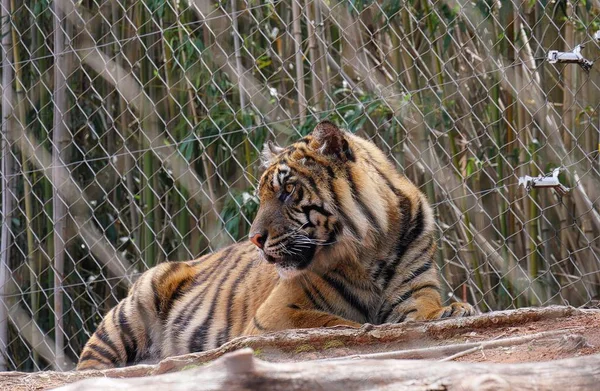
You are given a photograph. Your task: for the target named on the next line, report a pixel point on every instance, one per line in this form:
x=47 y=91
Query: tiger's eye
x=289 y=188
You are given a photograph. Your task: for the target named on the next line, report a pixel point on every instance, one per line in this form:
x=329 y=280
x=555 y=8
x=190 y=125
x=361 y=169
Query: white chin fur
x=288 y=274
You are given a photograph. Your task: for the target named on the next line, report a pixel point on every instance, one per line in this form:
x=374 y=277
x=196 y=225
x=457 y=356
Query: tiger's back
x=340 y=238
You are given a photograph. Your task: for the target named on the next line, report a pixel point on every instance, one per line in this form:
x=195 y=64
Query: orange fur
x=345 y=240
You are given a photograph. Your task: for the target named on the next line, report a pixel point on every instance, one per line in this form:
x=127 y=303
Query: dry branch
x=454 y=349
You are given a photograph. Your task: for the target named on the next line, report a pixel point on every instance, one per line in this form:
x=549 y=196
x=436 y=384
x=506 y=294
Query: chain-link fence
x=131 y=131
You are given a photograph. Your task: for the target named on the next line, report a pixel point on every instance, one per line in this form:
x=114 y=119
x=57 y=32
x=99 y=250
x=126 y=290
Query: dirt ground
x=526 y=335
x=583 y=340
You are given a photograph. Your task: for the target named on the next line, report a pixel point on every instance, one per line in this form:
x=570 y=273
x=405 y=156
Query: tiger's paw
x=455 y=310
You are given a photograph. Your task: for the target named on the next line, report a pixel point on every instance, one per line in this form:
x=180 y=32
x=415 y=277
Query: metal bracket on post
x=574 y=57
x=549 y=180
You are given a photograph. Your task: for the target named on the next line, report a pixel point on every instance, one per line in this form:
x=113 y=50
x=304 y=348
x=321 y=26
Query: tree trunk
x=240 y=370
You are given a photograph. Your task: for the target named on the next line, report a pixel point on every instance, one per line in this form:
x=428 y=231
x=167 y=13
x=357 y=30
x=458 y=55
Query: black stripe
x=221 y=337
x=332 y=236
x=447 y=312
x=300 y=192
x=184 y=317
x=314 y=187
x=192 y=310
x=407 y=295
x=347 y=221
x=146 y=321
x=200 y=260
x=412 y=228
x=293 y=306
x=371 y=162
x=405 y=315
x=426 y=266
x=103 y=336
x=405 y=207
x=391 y=273
x=244 y=312
x=175 y=294
x=343 y=278
x=322 y=299
x=117 y=327
x=417 y=226
x=402 y=318
x=159 y=303
x=306 y=209
x=382 y=317
x=347 y=151
x=411 y=292
x=330 y=171
x=347 y=295
x=363 y=207
x=275 y=240
x=379 y=267
x=131 y=347
x=200 y=334
x=310 y=297
x=241 y=277
x=258 y=325
x=300 y=223
x=104 y=354
x=89 y=356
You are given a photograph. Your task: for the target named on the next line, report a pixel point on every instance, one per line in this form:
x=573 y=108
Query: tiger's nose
x=259 y=239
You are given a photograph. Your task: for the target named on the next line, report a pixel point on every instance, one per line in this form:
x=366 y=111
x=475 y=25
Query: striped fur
x=345 y=240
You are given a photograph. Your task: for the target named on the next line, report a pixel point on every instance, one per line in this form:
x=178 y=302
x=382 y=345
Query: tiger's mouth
x=296 y=258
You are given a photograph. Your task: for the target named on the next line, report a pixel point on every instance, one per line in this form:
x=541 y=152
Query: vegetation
x=457 y=92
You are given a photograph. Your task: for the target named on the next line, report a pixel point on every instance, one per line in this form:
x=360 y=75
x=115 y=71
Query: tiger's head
x=308 y=206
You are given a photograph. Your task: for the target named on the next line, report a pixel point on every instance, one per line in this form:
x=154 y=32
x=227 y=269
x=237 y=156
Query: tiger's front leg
x=428 y=307
x=288 y=308
x=421 y=302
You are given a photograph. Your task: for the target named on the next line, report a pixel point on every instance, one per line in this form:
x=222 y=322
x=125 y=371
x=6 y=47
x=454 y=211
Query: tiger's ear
x=329 y=140
x=269 y=152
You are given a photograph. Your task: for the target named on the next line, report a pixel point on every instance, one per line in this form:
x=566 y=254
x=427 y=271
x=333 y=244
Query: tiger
x=340 y=238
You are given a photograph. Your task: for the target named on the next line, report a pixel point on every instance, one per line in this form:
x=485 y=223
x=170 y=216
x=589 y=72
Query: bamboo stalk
x=316 y=84
x=8 y=171
x=321 y=50
x=59 y=148
x=109 y=105
x=238 y=54
x=568 y=122
x=530 y=203
x=148 y=167
x=44 y=220
x=300 y=88
x=179 y=201
x=241 y=78
x=398 y=64
x=22 y=120
x=126 y=121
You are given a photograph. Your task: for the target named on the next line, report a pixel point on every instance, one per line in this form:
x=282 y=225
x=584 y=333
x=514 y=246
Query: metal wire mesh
x=131 y=131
